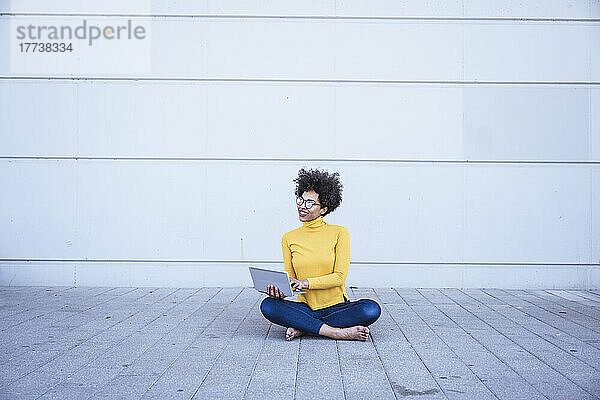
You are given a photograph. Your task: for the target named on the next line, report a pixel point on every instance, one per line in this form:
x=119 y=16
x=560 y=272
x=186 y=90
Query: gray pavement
x=213 y=343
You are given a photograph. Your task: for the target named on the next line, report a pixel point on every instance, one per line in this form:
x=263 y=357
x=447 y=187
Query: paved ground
x=162 y=343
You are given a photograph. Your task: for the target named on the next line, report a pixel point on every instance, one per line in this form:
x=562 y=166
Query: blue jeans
x=300 y=316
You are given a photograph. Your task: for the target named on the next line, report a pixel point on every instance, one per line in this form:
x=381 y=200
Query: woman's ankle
x=329 y=331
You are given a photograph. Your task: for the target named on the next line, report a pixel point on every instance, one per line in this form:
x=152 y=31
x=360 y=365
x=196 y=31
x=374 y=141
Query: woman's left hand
x=299 y=284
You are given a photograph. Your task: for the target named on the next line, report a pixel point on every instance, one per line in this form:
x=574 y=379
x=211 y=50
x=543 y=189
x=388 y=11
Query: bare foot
x=292 y=333
x=357 y=332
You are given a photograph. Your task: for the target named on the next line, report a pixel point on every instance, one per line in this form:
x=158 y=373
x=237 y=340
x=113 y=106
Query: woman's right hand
x=274 y=292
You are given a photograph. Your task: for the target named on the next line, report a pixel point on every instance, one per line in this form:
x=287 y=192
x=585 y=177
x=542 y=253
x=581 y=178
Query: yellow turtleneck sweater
x=320 y=253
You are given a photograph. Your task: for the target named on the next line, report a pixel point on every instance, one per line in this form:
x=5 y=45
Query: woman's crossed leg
x=348 y=320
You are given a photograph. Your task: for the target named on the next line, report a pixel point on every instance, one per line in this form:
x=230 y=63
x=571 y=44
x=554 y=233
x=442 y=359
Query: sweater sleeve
x=287 y=258
x=340 y=268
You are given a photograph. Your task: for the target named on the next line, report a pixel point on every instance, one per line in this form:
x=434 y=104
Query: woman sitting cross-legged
x=316 y=256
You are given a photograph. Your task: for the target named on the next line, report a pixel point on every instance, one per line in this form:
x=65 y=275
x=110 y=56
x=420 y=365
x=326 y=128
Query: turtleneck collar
x=315 y=223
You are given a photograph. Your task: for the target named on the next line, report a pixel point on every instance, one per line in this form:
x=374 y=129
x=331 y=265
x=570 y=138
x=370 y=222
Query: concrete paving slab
x=213 y=343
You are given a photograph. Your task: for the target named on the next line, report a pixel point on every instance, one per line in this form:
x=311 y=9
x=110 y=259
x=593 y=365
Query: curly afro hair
x=327 y=186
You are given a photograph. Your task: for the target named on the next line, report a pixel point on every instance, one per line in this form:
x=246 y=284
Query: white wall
x=466 y=134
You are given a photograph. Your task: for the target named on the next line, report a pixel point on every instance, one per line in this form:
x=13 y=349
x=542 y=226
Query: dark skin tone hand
x=275 y=293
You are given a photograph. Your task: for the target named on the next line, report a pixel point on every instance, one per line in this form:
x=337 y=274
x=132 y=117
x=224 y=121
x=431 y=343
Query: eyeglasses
x=309 y=202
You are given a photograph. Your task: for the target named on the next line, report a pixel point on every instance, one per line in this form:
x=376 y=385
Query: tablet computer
x=261 y=277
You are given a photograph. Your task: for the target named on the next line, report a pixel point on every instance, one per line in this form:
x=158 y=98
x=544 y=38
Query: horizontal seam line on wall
x=297 y=159
x=516 y=263
x=267 y=80
x=306 y=17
